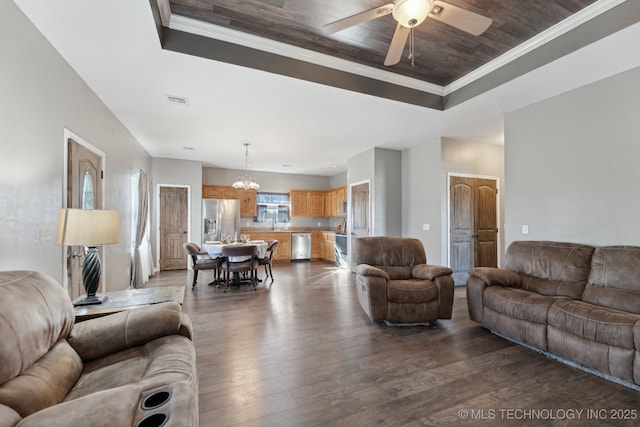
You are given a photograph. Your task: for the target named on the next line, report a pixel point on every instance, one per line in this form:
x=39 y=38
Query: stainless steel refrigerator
x=220 y=216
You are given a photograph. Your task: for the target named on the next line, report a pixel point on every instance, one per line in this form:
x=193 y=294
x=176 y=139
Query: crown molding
x=563 y=27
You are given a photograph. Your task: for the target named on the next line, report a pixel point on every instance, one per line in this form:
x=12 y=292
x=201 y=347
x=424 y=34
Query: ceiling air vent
x=179 y=100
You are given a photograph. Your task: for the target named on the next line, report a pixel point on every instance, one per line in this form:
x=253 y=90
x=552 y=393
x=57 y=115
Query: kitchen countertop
x=250 y=230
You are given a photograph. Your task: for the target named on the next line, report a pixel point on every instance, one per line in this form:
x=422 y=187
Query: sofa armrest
x=496 y=276
x=102 y=336
x=369 y=270
x=429 y=272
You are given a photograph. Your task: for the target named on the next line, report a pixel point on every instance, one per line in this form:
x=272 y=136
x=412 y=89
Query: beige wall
x=41 y=96
x=421 y=197
x=572 y=165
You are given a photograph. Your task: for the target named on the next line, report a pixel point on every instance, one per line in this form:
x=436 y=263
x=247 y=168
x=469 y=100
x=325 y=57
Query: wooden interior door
x=473 y=221
x=486 y=221
x=174 y=227
x=84 y=191
x=360 y=214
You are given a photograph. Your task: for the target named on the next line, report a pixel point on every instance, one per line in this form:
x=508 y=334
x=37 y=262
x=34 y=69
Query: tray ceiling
x=443 y=54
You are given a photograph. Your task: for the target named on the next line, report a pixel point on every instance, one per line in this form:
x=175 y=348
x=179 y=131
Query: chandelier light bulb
x=245 y=181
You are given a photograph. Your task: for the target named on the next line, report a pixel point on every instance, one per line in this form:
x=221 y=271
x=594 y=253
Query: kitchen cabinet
x=316 y=244
x=283 y=251
x=329 y=203
x=334 y=201
x=219 y=192
x=339 y=201
x=248 y=206
x=316 y=203
x=247 y=198
x=307 y=203
x=328 y=246
x=299 y=202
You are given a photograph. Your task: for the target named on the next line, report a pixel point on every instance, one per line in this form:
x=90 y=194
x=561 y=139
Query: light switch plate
x=426 y=227
x=525 y=229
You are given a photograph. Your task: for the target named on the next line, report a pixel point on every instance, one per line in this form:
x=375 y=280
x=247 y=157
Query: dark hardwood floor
x=301 y=352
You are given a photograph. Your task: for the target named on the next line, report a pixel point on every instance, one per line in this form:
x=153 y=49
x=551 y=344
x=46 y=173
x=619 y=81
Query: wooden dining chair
x=202 y=261
x=239 y=259
x=268 y=258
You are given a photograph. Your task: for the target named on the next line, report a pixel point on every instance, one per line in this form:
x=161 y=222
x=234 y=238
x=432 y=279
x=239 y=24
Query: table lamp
x=89 y=228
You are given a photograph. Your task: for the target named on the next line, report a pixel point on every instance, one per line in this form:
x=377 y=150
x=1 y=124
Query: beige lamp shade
x=88 y=227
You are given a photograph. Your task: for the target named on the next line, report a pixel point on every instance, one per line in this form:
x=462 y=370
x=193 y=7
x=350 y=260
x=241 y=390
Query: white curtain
x=142 y=265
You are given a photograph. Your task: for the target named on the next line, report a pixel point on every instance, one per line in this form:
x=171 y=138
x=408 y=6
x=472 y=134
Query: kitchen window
x=273 y=207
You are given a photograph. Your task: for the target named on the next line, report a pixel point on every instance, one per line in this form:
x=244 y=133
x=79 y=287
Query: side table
x=129 y=299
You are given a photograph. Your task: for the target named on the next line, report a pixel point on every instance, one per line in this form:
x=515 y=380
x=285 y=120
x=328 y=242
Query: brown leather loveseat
x=134 y=368
x=579 y=302
x=395 y=284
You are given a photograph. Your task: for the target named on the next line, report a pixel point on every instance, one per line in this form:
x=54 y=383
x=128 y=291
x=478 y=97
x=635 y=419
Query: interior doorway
x=360 y=214
x=84 y=189
x=473 y=219
x=173 y=227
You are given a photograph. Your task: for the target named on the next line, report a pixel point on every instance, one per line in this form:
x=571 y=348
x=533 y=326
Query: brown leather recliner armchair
x=396 y=285
x=133 y=368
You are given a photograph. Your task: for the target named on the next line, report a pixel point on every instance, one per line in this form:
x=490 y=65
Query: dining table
x=214 y=249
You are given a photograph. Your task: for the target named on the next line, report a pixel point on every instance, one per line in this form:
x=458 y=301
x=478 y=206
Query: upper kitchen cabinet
x=334 y=201
x=316 y=203
x=219 y=192
x=248 y=205
x=247 y=197
x=307 y=203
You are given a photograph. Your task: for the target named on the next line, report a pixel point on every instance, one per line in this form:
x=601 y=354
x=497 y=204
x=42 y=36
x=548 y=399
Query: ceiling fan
x=409 y=14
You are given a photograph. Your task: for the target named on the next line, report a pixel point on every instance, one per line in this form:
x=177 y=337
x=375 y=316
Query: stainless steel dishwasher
x=300 y=246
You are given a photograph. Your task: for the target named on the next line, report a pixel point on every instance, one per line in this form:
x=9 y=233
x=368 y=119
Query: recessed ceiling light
x=334 y=166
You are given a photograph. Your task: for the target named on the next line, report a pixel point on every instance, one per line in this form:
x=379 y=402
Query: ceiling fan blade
x=397 y=45
x=358 y=18
x=461 y=19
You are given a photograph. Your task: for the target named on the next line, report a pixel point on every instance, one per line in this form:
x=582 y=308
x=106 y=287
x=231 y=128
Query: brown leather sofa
x=579 y=302
x=395 y=284
x=134 y=368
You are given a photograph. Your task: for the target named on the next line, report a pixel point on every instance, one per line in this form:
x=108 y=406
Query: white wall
x=572 y=165
x=421 y=197
x=41 y=95
x=471 y=159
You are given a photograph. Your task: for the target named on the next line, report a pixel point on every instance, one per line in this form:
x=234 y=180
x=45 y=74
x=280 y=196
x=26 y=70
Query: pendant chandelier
x=245 y=181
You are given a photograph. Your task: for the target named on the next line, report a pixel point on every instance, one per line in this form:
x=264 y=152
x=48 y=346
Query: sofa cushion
x=161 y=361
x=599 y=337
x=29 y=330
x=518 y=303
x=550 y=268
x=393 y=255
x=411 y=291
x=614 y=280
x=45 y=383
x=599 y=324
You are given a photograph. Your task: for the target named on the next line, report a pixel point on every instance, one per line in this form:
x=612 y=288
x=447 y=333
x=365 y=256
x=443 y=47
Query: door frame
x=156 y=214
x=67 y=135
x=371 y=216
x=448 y=230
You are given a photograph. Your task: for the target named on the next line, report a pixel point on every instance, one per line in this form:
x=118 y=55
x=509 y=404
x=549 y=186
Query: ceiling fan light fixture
x=411 y=13
x=245 y=181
